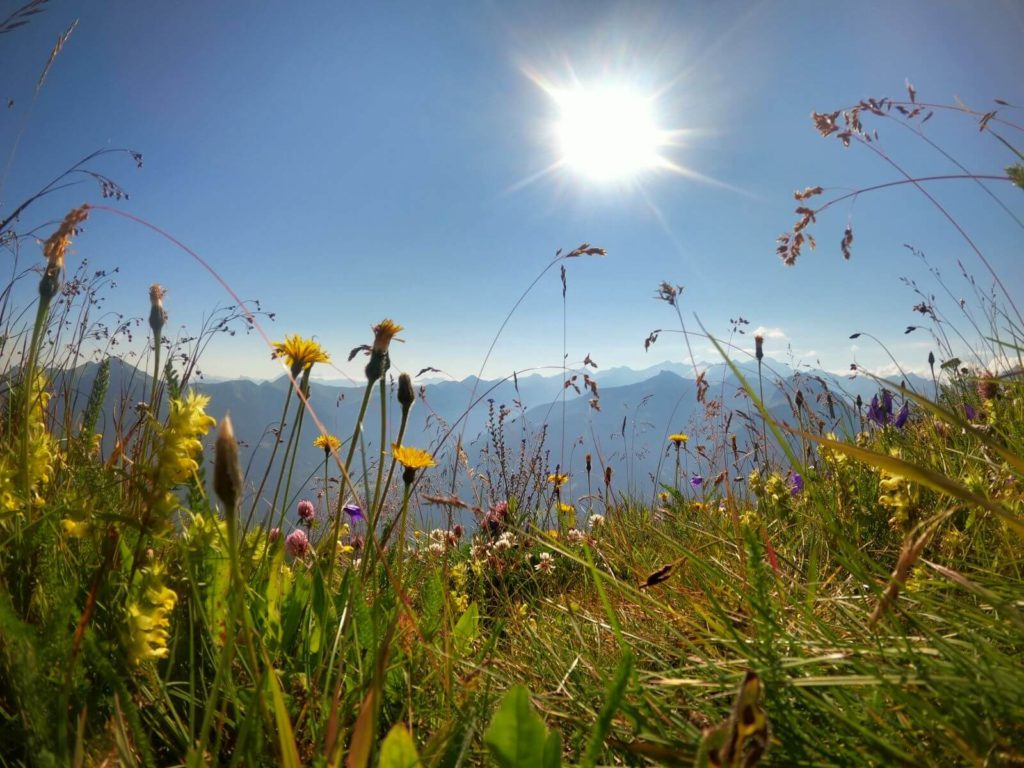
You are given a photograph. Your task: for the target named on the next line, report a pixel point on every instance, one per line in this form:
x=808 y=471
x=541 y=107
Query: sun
x=608 y=133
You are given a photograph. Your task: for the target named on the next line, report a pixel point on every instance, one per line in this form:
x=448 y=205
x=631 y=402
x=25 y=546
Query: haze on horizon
x=346 y=164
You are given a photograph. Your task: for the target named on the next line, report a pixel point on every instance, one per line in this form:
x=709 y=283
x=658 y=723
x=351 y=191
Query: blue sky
x=348 y=162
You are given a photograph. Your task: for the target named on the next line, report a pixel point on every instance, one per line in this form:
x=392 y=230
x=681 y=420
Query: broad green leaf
x=553 y=751
x=466 y=629
x=517 y=736
x=398 y=750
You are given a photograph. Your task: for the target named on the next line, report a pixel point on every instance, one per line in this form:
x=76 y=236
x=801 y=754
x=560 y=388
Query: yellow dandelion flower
x=300 y=353
x=566 y=508
x=383 y=333
x=412 y=458
x=327 y=442
x=679 y=438
x=557 y=479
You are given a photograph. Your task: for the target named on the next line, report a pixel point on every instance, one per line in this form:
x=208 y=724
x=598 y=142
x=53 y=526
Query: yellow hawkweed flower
x=412 y=458
x=383 y=333
x=565 y=508
x=679 y=438
x=300 y=353
x=557 y=479
x=327 y=442
x=76 y=529
x=149 y=619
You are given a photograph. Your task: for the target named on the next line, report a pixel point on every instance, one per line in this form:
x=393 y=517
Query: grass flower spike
x=300 y=353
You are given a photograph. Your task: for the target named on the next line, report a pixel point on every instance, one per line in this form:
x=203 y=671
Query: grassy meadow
x=801 y=595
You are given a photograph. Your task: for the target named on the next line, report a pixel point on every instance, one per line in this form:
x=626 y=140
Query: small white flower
x=575 y=536
x=546 y=564
x=596 y=521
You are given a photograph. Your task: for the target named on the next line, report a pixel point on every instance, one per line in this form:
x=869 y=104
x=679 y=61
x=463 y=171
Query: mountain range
x=490 y=429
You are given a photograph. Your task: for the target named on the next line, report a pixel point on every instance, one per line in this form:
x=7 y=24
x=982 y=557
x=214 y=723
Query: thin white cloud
x=771 y=333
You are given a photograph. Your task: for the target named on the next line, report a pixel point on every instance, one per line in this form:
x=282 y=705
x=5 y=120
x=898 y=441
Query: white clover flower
x=546 y=564
x=596 y=521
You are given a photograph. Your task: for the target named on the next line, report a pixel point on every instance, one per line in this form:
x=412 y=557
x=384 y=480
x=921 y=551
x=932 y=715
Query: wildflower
x=412 y=458
x=546 y=563
x=76 y=528
x=300 y=353
x=500 y=509
x=55 y=248
x=880 y=412
x=679 y=438
x=157 y=314
x=328 y=442
x=406 y=394
x=42 y=448
x=149 y=618
x=565 y=509
x=176 y=457
x=596 y=521
x=969 y=412
x=696 y=481
x=354 y=511
x=553 y=533
x=297 y=543
x=796 y=484
x=575 y=536
x=380 y=360
x=901 y=417
x=557 y=479
x=383 y=333
x=274 y=535
x=759 y=347
x=307 y=512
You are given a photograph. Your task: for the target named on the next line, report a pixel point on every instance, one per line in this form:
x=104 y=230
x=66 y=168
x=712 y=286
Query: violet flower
x=354 y=511
x=796 y=484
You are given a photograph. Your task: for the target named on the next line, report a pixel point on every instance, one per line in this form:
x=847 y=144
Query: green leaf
x=288 y=751
x=466 y=629
x=517 y=737
x=399 y=750
x=362 y=734
x=553 y=751
x=612 y=699
x=433 y=604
